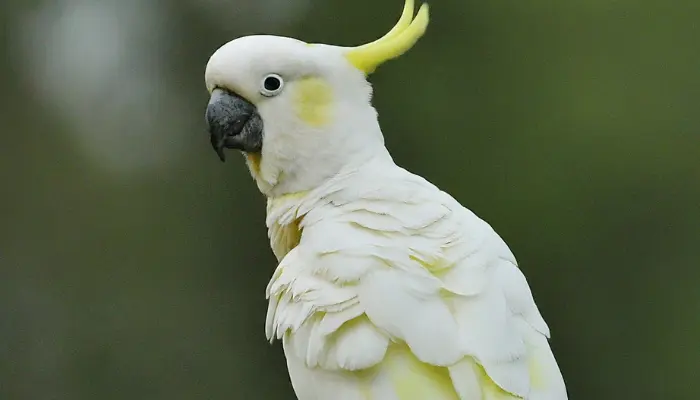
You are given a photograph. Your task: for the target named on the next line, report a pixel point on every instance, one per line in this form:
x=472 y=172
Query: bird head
x=300 y=112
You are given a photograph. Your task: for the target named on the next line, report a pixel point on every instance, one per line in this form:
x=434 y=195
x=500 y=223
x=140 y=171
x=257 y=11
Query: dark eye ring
x=272 y=84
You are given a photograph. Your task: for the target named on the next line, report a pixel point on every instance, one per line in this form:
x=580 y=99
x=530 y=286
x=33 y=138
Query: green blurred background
x=133 y=263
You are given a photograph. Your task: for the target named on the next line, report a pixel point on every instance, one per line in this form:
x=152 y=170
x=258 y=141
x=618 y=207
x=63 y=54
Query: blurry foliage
x=572 y=127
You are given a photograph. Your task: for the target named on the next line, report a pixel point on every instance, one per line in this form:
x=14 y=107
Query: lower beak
x=234 y=123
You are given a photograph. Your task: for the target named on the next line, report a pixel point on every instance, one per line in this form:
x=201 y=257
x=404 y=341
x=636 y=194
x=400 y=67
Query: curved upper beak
x=233 y=123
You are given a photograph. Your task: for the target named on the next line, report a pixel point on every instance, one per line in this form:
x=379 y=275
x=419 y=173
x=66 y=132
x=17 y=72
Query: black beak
x=233 y=123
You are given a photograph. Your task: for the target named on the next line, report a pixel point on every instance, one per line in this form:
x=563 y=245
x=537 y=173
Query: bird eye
x=271 y=85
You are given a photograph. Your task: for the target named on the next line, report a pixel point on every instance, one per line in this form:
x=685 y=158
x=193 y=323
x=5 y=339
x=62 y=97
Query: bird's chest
x=284 y=238
x=284 y=224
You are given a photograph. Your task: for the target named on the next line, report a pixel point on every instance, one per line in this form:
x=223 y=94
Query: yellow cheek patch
x=313 y=99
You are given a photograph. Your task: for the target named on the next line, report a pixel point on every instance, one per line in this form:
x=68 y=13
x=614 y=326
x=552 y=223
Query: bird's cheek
x=313 y=101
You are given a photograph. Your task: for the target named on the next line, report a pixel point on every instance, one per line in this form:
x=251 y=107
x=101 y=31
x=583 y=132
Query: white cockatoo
x=386 y=288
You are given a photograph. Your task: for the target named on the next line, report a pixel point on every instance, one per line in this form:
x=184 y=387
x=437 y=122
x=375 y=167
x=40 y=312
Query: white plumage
x=386 y=288
x=393 y=290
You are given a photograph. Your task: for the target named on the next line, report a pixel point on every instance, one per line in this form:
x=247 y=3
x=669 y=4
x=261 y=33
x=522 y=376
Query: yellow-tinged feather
x=284 y=236
x=365 y=386
x=415 y=380
x=404 y=22
x=399 y=40
x=253 y=160
x=432 y=265
x=537 y=374
x=490 y=390
x=286 y=199
x=313 y=98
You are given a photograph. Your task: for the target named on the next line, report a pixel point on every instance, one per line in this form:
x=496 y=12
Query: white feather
x=391 y=259
x=386 y=288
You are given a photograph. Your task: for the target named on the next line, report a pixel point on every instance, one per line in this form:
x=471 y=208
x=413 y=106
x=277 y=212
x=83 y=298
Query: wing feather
x=393 y=263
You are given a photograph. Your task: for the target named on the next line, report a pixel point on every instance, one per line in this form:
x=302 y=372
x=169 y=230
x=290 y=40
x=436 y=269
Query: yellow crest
x=399 y=40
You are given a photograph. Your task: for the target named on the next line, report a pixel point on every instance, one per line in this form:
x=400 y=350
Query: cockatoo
x=386 y=287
